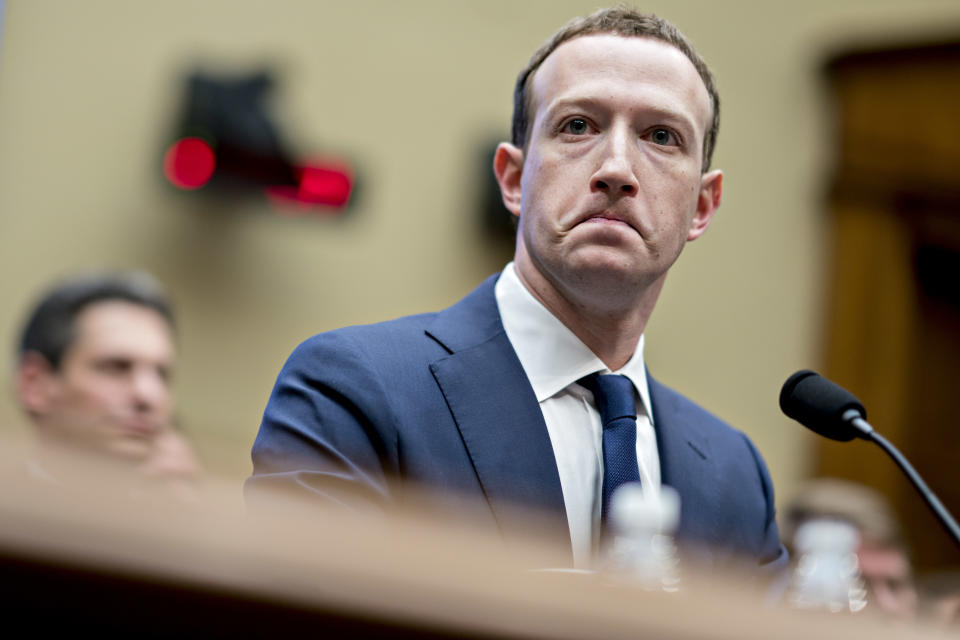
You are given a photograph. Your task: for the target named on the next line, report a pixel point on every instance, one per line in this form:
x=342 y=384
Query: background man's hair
x=50 y=329
x=837 y=499
x=620 y=21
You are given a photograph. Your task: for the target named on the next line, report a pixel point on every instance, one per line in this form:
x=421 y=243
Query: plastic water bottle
x=642 y=549
x=826 y=575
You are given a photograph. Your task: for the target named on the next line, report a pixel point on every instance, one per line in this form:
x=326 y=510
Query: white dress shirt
x=554 y=359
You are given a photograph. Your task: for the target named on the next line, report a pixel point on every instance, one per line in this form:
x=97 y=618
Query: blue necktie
x=613 y=395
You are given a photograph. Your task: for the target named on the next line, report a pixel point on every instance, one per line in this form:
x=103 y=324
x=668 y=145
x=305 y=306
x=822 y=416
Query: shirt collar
x=551 y=355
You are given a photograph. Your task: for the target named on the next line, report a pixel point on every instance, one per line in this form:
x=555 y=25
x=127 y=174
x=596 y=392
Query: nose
x=615 y=175
x=150 y=390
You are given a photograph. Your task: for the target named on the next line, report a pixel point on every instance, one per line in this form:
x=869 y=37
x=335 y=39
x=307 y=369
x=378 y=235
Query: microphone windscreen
x=819 y=405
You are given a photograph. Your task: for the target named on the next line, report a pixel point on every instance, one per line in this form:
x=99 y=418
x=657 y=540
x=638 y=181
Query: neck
x=609 y=321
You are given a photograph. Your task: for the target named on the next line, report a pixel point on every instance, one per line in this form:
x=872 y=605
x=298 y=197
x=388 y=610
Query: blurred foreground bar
x=74 y=559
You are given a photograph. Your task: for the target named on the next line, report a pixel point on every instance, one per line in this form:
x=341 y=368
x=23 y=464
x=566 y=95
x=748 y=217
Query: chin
x=615 y=279
x=128 y=448
x=605 y=263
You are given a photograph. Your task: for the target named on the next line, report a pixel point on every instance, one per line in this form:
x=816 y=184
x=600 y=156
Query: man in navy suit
x=608 y=174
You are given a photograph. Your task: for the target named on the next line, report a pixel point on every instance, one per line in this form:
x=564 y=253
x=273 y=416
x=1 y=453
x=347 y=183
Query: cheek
x=529 y=181
x=99 y=394
x=166 y=400
x=685 y=195
x=547 y=172
x=673 y=198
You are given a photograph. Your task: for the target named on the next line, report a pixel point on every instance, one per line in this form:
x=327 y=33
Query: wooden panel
x=898 y=115
x=893 y=326
x=934 y=442
x=95 y=562
x=871 y=326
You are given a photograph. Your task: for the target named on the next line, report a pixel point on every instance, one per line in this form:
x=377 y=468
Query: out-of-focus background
x=834 y=248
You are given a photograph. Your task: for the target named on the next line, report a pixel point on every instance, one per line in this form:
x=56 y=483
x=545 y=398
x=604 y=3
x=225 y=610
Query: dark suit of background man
x=608 y=174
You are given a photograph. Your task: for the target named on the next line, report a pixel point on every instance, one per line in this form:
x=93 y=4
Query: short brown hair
x=620 y=21
x=51 y=328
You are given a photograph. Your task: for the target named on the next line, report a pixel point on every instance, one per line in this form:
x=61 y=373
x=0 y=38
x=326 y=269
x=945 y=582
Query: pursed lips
x=606 y=217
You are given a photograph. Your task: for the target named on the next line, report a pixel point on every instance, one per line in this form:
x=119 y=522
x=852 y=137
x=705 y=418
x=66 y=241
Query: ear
x=708 y=201
x=508 y=167
x=36 y=383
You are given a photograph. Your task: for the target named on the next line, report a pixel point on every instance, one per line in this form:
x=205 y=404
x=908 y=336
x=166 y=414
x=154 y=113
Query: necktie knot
x=613 y=395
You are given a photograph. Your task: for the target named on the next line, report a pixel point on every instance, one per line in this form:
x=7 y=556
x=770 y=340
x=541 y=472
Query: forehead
x=600 y=66
x=882 y=560
x=122 y=327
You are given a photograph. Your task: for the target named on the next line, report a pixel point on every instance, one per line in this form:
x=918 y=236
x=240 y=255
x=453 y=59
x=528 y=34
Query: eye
x=114 y=366
x=663 y=137
x=576 y=126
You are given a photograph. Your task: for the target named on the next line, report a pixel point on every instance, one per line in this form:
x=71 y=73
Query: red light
x=327 y=184
x=322 y=185
x=189 y=163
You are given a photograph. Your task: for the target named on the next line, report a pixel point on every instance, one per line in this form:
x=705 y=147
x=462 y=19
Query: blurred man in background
x=95 y=360
x=882 y=553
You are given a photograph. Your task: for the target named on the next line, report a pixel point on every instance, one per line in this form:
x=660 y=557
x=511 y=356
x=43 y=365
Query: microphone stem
x=941 y=512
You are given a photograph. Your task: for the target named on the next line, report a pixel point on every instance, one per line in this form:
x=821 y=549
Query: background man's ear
x=508 y=167
x=708 y=201
x=36 y=383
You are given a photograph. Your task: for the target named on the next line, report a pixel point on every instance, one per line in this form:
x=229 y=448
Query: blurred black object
x=227 y=140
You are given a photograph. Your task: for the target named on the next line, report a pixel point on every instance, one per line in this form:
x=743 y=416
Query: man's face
x=610 y=188
x=111 y=393
x=886 y=570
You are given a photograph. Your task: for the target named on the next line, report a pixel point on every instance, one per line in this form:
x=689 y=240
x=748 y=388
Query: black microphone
x=823 y=406
x=832 y=411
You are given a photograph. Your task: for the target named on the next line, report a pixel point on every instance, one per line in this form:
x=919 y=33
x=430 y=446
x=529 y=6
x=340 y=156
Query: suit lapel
x=498 y=415
x=685 y=459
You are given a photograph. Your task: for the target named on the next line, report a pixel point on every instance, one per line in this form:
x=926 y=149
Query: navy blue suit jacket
x=441 y=400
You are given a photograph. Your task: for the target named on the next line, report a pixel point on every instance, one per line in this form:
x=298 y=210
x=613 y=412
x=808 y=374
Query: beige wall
x=410 y=90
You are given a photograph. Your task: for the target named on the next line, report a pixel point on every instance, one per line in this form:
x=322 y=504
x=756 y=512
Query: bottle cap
x=634 y=508
x=824 y=534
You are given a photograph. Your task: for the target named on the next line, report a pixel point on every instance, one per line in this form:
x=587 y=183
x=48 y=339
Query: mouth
x=140 y=428
x=607 y=217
